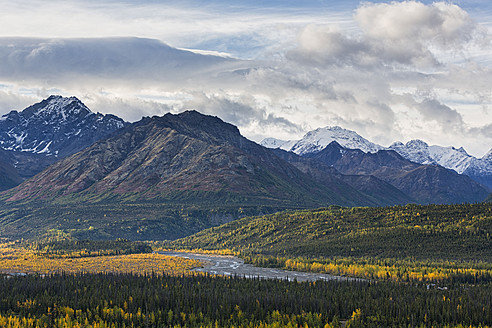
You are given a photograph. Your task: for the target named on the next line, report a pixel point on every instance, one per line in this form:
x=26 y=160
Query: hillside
x=54 y=128
x=424 y=183
x=380 y=191
x=9 y=177
x=424 y=232
x=186 y=157
x=164 y=178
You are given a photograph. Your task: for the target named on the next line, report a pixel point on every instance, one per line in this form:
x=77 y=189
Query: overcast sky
x=390 y=70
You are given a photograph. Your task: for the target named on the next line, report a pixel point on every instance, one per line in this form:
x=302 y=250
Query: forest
x=127 y=300
x=16 y=258
x=420 y=266
x=426 y=243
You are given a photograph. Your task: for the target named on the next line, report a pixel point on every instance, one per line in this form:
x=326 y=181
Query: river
x=230 y=266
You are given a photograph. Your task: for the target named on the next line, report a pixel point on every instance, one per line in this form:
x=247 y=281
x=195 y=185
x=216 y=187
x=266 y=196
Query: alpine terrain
x=49 y=130
x=418 y=151
x=424 y=183
x=166 y=177
x=170 y=176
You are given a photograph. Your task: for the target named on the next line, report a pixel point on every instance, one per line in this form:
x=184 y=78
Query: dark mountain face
x=483 y=178
x=8 y=174
x=187 y=157
x=424 y=183
x=52 y=129
x=380 y=191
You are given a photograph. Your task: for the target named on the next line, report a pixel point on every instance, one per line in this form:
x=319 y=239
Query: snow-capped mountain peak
x=317 y=140
x=453 y=158
x=419 y=151
x=417 y=144
x=416 y=150
x=488 y=156
x=57 y=108
x=277 y=143
x=55 y=126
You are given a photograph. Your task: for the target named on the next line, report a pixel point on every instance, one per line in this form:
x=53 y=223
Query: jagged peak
x=417 y=143
x=57 y=105
x=330 y=128
x=396 y=144
x=488 y=155
x=196 y=124
x=463 y=151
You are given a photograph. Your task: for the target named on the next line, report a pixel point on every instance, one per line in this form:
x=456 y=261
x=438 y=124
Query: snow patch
x=46 y=149
x=277 y=143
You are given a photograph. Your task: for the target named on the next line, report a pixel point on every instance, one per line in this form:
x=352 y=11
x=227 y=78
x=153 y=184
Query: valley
x=168 y=177
x=129 y=227
x=233 y=266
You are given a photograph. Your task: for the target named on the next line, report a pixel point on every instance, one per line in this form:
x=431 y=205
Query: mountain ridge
x=56 y=126
x=172 y=154
x=49 y=130
x=172 y=175
x=197 y=170
x=457 y=159
x=424 y=183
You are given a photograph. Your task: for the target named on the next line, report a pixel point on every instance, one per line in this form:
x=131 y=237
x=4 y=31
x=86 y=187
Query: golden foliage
x=14 y=260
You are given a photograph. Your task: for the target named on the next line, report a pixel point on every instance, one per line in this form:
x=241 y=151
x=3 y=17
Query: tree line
x=126 y=300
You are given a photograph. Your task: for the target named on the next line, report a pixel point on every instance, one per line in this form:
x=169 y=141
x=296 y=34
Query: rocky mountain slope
x=185 y=157
x=457 y=159
x=51 y=129
x=9 y=176
x=164 y=178
x=424 y=183
x=418 y=151
x=381 y=191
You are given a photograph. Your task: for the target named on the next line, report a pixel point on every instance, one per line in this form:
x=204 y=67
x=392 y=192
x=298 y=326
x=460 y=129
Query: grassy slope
x=441 y=232
x=134 y=221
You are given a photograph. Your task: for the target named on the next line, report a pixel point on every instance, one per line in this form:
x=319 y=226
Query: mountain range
x=184 y=157
x=49 y=130
x=418 y=151
x=165 y=177
x=428 y=183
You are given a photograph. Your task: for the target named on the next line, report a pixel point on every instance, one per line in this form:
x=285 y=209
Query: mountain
x=318 y=139
x=424 y=183
x=9 y=176
x=457 y=159
x=380 y=191
x=418 y=151
x=274 y=143
x=163 y=178
x=52 y=129
x=189 y=156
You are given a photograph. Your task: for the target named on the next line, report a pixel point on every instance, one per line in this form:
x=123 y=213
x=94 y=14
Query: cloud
x=327 y=45
x=392 y=71
x=12 y=100
x=241 y=110
x=147 y=61
x=243 y=29
x=447 y=118
x=404 y=33
x=441 y=23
